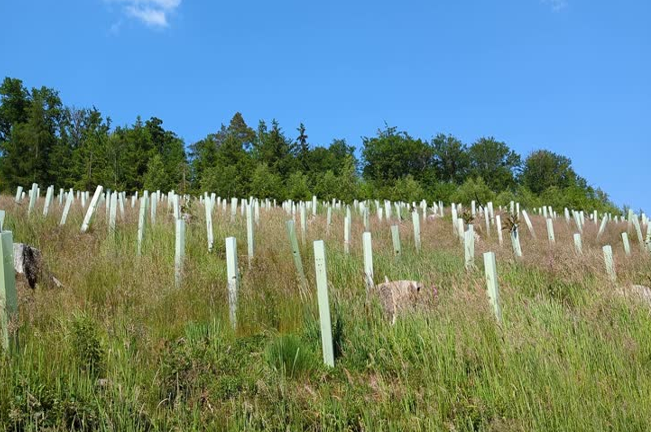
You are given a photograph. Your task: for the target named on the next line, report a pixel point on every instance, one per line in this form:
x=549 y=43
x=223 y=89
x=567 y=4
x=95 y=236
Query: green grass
x=120 y=349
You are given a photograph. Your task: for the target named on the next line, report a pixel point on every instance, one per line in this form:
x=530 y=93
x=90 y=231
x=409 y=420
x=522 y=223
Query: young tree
x=298 y=187
x=349 y=187
x=156 y=177
x=265 y=184
x=327 y=186
x=222 y=180
x=303 y=149
x=473 y=190
x=407 y=189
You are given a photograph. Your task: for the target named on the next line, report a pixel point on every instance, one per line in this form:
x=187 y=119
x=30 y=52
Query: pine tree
x=156 y=178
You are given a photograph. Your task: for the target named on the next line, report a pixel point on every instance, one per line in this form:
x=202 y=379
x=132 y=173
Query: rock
x=399 y=296
x=28 y=261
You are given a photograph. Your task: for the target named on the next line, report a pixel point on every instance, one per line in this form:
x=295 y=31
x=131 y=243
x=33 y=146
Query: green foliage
x=392 y=155
x=526 y=198
x=265 y=184
x=225 y=181
x=407 y=189
x=14 y=105
x=451 y=159
x=27 y=156
x=442 y=191
x=298 y=187
x=349 y=184
x=156 y=177
x=504 y=198
x=276 y=150
x=575 y=197
x=544 y=169
x=473 y=189
x=171 y=360
x=87 y=348
x=303 y=149
x=327 y=186
x=495 y=162
x=43 y=141
x=289 y=356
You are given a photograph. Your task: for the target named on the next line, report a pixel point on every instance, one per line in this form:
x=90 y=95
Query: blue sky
x=573 y=76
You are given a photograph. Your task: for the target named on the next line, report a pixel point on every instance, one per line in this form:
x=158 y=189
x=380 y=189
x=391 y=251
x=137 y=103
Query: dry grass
x=571 y=354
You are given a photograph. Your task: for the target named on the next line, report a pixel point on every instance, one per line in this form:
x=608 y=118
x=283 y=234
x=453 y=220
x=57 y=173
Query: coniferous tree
x=43 y=141
x=303 y=149
x=156 y=177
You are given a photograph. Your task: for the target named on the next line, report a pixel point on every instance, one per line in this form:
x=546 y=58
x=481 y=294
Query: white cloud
x=153 y=13
x=556 y=5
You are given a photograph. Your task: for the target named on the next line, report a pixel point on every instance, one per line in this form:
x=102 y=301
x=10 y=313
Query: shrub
x=473 y=189
x=86 y=345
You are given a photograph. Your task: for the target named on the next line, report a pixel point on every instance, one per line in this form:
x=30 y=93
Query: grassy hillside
x=120 y=348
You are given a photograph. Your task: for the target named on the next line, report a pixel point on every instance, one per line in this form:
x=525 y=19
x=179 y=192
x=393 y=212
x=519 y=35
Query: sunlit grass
x=120 y=348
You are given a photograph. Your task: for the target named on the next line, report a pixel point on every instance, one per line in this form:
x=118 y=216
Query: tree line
x=44 y=141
